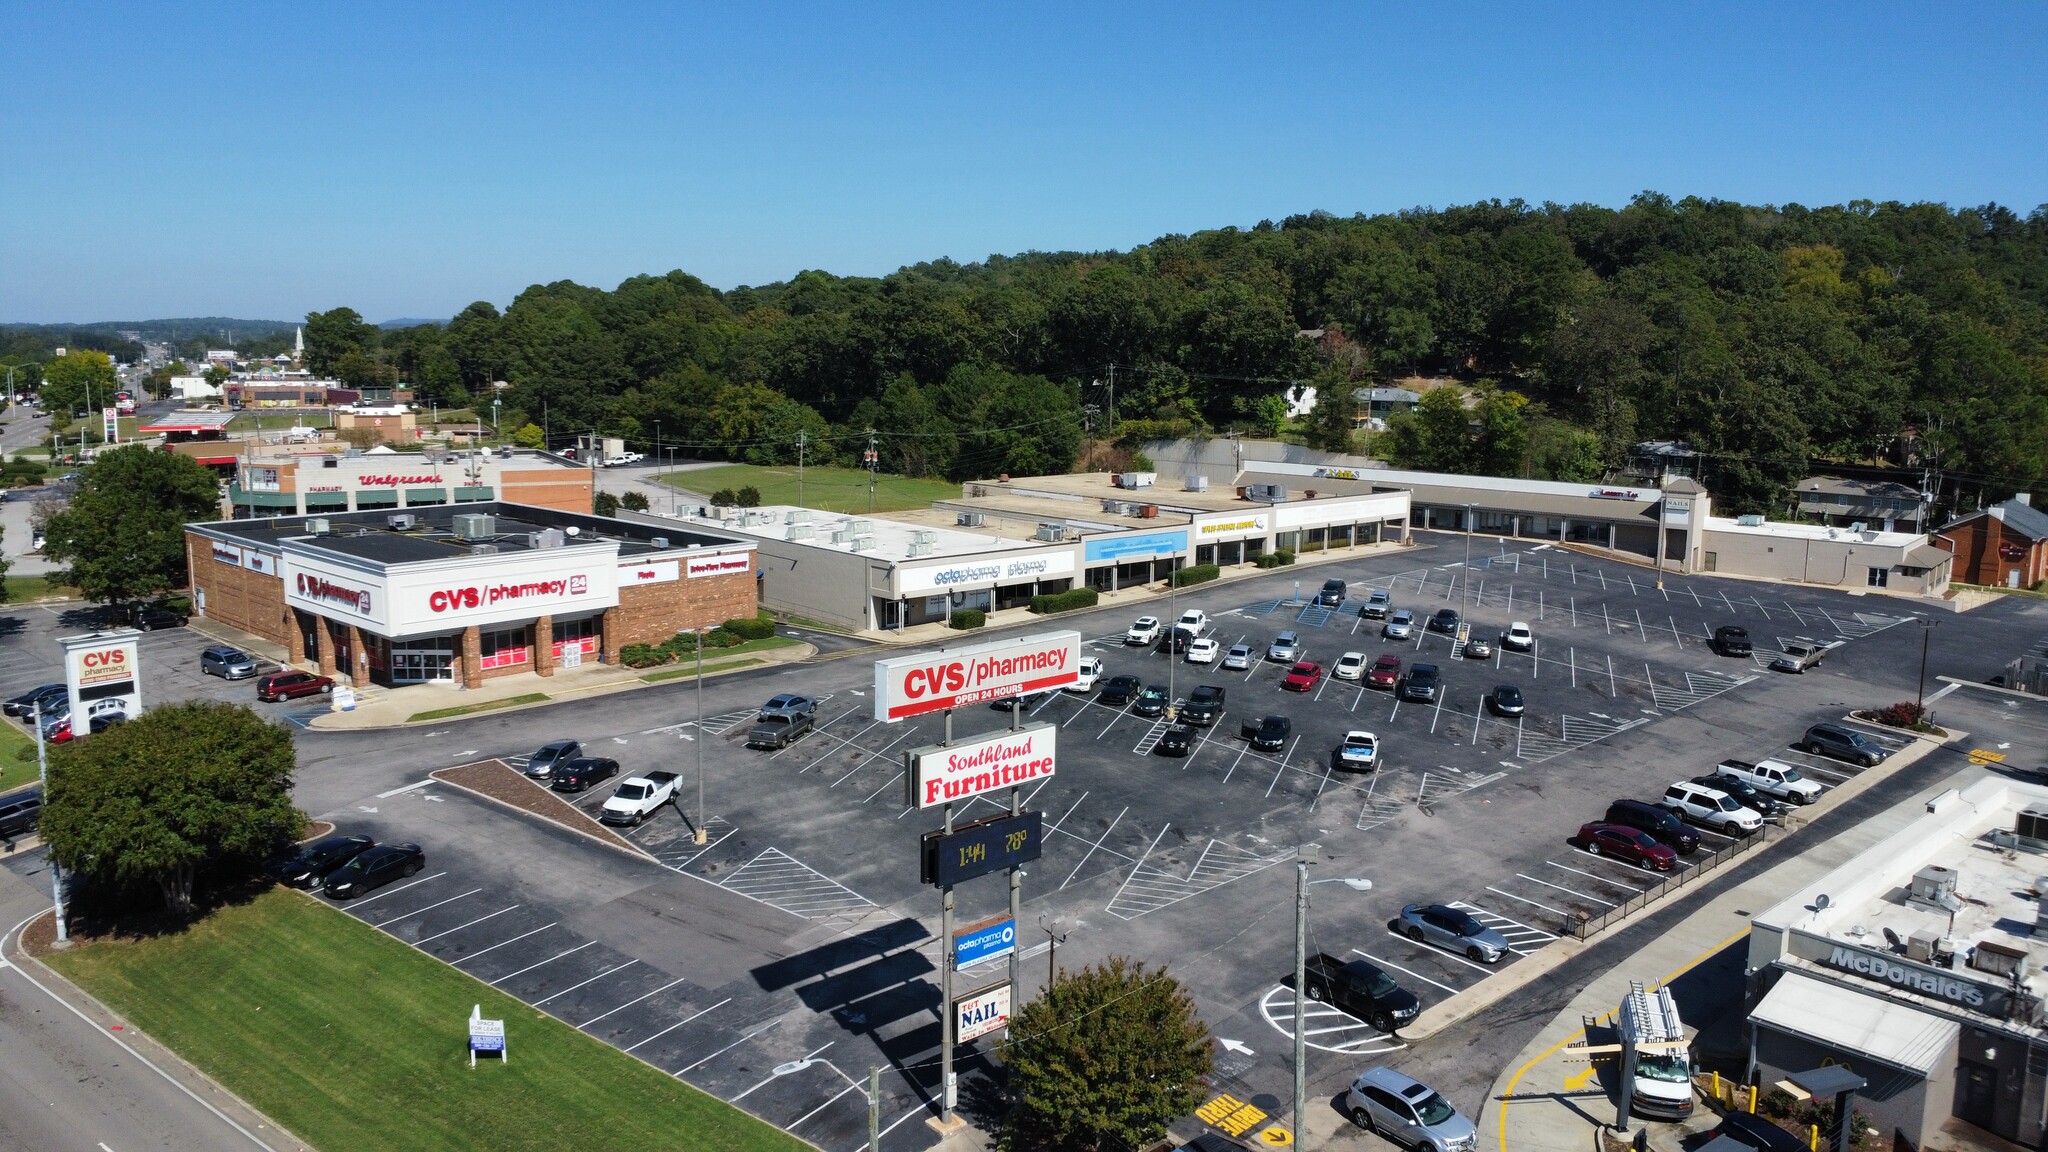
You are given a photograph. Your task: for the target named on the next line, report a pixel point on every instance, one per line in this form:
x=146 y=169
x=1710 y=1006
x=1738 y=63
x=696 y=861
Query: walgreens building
x=464 y=592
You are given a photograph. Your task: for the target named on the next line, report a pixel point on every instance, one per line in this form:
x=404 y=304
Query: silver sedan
x=1452 y=928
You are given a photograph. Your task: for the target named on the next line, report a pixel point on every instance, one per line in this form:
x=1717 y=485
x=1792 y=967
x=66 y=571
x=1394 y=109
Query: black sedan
x=1445 y=621
x=25 y=704
x=1506 y=700
x=1271 y=733
x=1151 y=702
x=306 y=864
x=1119 y=690
x=584 y=772
x=1025 y=702
x=1178 y=740
x=373 y=869
x=542 y=764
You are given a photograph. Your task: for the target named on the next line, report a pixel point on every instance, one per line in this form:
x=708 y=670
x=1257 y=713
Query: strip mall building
x=468 y=592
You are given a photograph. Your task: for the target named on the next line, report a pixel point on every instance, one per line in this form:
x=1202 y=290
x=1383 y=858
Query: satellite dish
x=1821 y=902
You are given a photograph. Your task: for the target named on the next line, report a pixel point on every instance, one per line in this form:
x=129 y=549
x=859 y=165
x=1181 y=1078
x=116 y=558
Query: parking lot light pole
x=1301 y=887
x=701 y=831
x=56 y=873
x=1920 y=697
x=1468 y=555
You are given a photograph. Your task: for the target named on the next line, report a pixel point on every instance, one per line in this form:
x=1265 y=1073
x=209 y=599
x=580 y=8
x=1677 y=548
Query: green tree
x=147 y=801
x=1329 y=423
x=633 y=502
x=122 y=537
x=216 y=375
x=748 y=497
x=358 y=369
x=5 y=564
x=79 y=379
x=1435 y=437
x=529 y=436
x=334 y=334
x=1559 y=451
x=1502 y=438
x=605 y=504
x=1105 y=1059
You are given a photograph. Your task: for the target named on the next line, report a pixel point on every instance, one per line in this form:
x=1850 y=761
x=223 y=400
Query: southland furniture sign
x=443 y=596
x=907 y=686
x=961 y=771
x=1898 y=972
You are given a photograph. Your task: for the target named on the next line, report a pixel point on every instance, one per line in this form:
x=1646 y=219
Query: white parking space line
x=592 y=980
x=728 y=1047
x=633 y=1001
x=1070 y=811
x=1092 y=848
x=460 y=927
x=354 y=904
x=1526 y=900
x=1282 y=770
x=801 y=1061
x=1408 y=971
x=1592 y=875
x=683 y=1021
x=544 y=963
x=798 y=1122
x=1563 y=889
x=502 y=943
x=407 y=788
x=1440 y=950
x=428 y=908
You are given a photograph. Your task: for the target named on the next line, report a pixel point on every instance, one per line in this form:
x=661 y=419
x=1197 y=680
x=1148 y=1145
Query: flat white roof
x=1829 y=1014
x=890 y=540
x=1785 y=530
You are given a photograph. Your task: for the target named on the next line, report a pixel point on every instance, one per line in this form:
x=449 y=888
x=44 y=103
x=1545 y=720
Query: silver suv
x=1399 y=626
x=1408 y=1112
x=1285 y=649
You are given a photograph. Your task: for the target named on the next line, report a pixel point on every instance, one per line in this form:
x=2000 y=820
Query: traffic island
x=502 y=784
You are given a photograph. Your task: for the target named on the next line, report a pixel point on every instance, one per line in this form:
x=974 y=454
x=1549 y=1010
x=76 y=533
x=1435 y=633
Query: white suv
x=1518 y=638
x=1712 y=807
x=1144 y=630
x=1194 y=620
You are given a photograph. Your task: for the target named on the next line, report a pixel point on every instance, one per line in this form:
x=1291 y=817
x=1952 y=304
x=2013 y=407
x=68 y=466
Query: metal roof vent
x=546 y=538
x=969 y=519
x=320 y=527
x=402 y=522
x=474 y=526
x=658 y=541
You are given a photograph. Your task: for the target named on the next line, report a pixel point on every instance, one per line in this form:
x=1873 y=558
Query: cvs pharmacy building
x=465 y=592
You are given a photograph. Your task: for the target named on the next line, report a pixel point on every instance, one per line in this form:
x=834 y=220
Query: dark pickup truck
x=1204 y=705
x=1362 y=990
x=778 y=731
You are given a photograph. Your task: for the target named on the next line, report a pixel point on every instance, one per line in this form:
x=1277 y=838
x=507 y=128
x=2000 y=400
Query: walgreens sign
x=962 y=771
x=908 y=686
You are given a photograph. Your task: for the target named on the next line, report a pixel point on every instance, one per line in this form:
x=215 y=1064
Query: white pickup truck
x=1774 y=778
x=638 y=797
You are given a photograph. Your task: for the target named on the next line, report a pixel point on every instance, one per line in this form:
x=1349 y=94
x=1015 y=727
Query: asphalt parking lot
x=802 y=935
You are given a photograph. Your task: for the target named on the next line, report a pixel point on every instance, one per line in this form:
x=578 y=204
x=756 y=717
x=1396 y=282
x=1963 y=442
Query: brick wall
x=654 y=612
x=251 y=601
x=563 y=489
x=1978 y=545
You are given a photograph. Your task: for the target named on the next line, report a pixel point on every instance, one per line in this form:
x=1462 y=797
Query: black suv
x=1361 y=989
x=1843 y=744
x=1445 y=621
x=1203 y=706
x=1332 y=593
x=1420 y=683
x=1730 y=640
x=149 y=617
x=19 y=812
x=1658 y=821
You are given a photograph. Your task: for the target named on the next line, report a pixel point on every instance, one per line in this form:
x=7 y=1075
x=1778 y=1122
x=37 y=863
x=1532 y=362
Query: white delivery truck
x=1661 y=1085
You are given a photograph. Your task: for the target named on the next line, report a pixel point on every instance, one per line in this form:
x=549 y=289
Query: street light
x=1301 y=887
x=1920 y=697
x=497 y=432
x=1468 y=555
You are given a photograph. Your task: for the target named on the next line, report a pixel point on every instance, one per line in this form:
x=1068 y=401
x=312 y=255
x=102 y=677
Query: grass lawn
x=486 y=706
x=828 y=489
x=22 y=589
x=351 y=1039
x=691 y=670
x=15 y=771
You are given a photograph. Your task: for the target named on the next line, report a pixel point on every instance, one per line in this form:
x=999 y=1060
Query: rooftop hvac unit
x=547 y=538
x=402 y=522
x=1934 y=889
x=1860 y=526
x=658 y=541
x=968 y=519
x=801 y=532
x=1051 y=532
x=861 y=543
x=842 y=535
x=2032 y=824
x=1198 y=484
x=799 y=516
x=920 y=548
x=474 y=526
x=862 y=527
x=1111 y=506
x=319 y=527
x=1750 y=520
x=1136 y=479
x=1148 y=511
x=2000 y=959
x=1924 y=945
x=924 y=536
x=330 y=461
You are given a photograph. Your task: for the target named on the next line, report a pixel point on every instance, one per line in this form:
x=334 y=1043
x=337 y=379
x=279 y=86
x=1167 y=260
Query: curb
x=634 y=852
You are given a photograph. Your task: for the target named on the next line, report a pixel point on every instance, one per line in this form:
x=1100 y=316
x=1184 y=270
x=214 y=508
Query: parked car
x=1349 y=666
x=1518 y=637
x=1452 y=928
x=1023 y=702
x=1332 y=593
x=1773 y=778
x=1386 y=671
x=1177 y=639
x=1799 y=655
x=1203 y=651
x=1360 y=751
x=1152 y=701
x=1194 y=620
x=1268 y=733
x=227 y=663
x=1118 y=690
x=150 y=617
x=1377 y=605
x=58 y=730
x=373 y=869
x=583 y=773
x=1304 y=675
x=24 y=705
x=776 y=732
x=305 y=865
x=1203 y=705
x=1420 y=683
x=1086 y=673
x=1711 y=807
x=542 y=764
x=788 y=704
x=1409 y=1113
x=638 y=797
x=1360 y=989
x=19 y=812
x=1400 y=625
x=291 y=684
x=1178 y=740
x=1732 y=640
x=1445 y=621
x=1285 y=648
x=1745 y=793
x=1143 y=630
x=1658 y=821
x=1238 y=658
x=1843 y=743
x=1478 y=649
x=1752 y=1131
x=1626 y=844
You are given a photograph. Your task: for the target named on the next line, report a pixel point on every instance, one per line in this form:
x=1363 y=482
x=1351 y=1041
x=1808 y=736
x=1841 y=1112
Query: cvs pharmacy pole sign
x=908 y=686
x=104 y=676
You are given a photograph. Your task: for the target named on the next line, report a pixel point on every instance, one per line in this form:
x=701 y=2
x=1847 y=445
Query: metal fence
x=1585 y=924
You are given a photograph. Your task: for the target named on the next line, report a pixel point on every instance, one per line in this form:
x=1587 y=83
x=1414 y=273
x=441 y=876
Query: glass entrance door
x=431 y=660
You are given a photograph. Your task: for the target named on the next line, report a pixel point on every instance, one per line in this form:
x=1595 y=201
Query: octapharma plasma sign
x=948 y=773
x=907 y=686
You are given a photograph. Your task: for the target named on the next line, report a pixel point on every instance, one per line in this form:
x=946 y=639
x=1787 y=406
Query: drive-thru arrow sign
x=1234 y=1046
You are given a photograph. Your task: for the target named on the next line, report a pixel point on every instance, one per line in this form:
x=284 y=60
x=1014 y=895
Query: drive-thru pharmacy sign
x=947 y=773
x=907 y=686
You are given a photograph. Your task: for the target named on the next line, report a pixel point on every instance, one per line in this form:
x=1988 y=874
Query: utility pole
x=800 y=470
x=1920 y=698
x=873 y=458
x=702 y=832
x=1300 y=989
x=56 y=873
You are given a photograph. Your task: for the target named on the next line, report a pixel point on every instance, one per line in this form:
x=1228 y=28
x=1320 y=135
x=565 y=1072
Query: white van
x=1712 y=807
x=1662 y=1087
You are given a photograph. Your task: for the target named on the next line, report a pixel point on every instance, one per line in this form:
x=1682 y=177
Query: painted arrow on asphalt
x=1235 y=1046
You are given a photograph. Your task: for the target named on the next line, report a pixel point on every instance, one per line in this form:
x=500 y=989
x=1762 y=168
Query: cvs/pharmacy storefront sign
x=908 y=686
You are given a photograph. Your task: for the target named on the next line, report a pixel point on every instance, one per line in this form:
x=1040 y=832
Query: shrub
x=965 y=618
x=677 y=646
x=643 y=656
x=633 y=501
x=1284 y=555
x=1196 y=574
x=749 y=497
x=750 y=628
x=605 y=504
x=720 y=638
x=725 y=496
x=1066 y=601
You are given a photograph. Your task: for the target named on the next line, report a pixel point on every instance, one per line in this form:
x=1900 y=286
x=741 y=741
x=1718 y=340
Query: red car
x=1302 y=676
x=291 y=685
x=1638 y=848
x=1386 y=672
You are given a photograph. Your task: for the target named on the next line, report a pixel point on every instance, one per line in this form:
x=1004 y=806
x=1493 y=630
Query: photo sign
x=945 y=773
x=981 y=1013
x=104 y=673
x=907 y=686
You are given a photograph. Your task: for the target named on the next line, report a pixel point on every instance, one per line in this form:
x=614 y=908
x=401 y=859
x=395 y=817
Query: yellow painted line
x=1577 y=1033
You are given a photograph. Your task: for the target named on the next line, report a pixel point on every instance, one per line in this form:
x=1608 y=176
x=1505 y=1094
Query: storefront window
x=576 y=636
x=507 y=647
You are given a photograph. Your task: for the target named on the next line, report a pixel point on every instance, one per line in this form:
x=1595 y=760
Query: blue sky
x=406 y=159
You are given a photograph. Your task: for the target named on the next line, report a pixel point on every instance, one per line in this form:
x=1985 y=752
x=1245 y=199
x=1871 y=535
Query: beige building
x=1817 y=554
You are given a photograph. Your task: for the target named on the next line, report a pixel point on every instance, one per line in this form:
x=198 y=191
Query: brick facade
x=651 y=613
x=235 y=596
x=1988 y=551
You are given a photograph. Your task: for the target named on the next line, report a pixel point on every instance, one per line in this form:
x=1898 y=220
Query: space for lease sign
x=947 y=773
x=908 y=686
